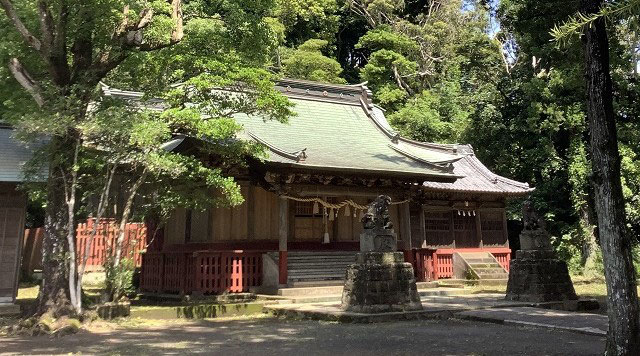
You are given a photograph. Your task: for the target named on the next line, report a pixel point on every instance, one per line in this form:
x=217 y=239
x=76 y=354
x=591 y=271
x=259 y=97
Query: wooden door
x=11 y=232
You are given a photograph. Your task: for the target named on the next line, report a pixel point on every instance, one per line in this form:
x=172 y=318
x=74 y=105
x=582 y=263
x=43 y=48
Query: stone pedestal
x=378 y=240
x=537 y=276
x=535 y=240
x=380 y=282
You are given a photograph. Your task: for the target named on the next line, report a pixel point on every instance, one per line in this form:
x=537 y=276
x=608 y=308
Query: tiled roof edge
x=482 y=169
x=442 y=166
x=296 y=156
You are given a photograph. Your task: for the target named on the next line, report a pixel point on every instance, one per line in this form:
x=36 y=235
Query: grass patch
x=137 y=323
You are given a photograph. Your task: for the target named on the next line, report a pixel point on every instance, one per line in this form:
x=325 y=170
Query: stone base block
x=9 y=309
x=535 y=279
x=380 y=282
x=378 y=240
x=535 y=240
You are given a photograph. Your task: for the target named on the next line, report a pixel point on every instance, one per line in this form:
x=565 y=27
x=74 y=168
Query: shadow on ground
x=273 y=336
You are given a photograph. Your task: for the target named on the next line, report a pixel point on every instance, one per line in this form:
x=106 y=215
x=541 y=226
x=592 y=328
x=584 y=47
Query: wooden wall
x=447 y=227
x=257 y=219
x=12 y=215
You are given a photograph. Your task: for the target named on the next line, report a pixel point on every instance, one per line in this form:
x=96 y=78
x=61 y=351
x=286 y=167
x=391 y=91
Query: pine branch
x=575 y=25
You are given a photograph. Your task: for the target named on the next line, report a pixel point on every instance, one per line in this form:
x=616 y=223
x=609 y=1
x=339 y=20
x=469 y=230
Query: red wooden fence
x=134 y=242
x=202 y=272
x=434 y=264
x=135 y=239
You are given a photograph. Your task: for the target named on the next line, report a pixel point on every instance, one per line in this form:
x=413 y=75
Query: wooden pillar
x=423 y=230
x=504 y=226
x=479 y=228
x=452 y=228
x=405 y=217
x=283 y=233
x=251 y=207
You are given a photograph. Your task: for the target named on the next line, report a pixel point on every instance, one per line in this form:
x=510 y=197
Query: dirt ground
x=268 y=336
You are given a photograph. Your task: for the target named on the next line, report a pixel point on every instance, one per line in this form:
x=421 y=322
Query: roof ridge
x=482 y=169
x=414 y=157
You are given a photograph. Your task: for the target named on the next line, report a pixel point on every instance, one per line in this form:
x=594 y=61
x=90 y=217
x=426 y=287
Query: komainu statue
x=377 y=216
x=530 y=218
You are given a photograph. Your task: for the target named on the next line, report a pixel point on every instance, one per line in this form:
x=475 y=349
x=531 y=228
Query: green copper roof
x=337 y=128
x=343 y=136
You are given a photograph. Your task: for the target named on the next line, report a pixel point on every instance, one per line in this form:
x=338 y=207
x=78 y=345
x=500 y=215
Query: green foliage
x=573 y=26
x=118 y=279
x=308 y=62
x=384 y=37
x=436 y=115
x=305 y=19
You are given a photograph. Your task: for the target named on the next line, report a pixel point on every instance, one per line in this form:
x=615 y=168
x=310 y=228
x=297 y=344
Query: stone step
x=485 y=276
x=307 y=291
x=493 y=282
x=320 y=263
x=442 y=291
x=490 y=270
x=314 y=274
x=312 y=299
x=313 y=254
x=321 y=258
x=485 y=265
x=7 y=309
x=426 y=285
x=335 y=282
x=323 y=294
x=480 y=260
x=316 y=277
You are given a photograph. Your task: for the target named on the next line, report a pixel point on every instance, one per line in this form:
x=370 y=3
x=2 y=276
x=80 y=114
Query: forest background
x=487 y=73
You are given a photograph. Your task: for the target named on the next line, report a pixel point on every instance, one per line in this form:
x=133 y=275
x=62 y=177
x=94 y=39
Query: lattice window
x=491 y=221
x=463 y=222
x=437 y=225
x=304 y=208
x=436 y=221
x=464 y=227
x=493 y=233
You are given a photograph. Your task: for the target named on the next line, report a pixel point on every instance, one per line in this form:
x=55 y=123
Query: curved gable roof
x=337 y=128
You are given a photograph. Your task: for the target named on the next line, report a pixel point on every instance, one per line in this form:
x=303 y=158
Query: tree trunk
x=623 y=337
x=54 y=291
x=590 y=242
x=126 y=214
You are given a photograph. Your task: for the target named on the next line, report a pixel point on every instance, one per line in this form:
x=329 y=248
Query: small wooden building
x=12 y=214
x=300 y=222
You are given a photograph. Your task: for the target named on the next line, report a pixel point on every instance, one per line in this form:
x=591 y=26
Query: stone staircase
x=480 y=266
x=317 y=268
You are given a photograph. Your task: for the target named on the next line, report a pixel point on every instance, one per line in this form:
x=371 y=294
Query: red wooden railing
x=203 y=272
x=135 y=239
x=434 y=264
